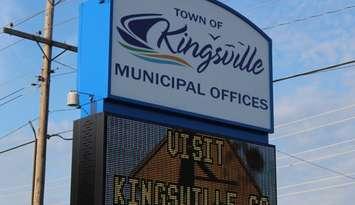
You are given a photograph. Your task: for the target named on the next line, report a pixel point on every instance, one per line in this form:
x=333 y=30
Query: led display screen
x=153 y=164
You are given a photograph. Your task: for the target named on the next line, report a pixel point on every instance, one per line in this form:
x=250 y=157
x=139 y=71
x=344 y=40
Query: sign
x=195 y=57
x=118 y=161
x=152 y=164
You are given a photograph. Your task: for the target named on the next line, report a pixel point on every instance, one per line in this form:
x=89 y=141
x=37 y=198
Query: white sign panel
x=197 y=57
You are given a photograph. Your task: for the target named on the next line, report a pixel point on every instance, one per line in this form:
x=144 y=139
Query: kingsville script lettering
x=179 y=42
x=244 y=60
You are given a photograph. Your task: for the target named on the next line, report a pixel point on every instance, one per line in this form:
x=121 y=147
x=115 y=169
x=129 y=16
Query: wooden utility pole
x=38 y=177
x=41 y=140
x=38 y=192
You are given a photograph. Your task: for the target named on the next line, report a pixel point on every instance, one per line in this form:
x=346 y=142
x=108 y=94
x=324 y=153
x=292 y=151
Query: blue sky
x=298 y=47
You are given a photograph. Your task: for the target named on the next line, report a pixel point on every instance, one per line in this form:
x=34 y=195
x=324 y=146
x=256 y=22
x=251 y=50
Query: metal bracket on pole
x=59 y=54
x=44 y=54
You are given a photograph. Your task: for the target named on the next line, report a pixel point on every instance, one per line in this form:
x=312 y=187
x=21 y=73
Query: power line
x=62 y=138
x=17 y=129
x=62 y=132
x=63 y=74
x=316 y=116
x=66 y=21
x=318 y=189
x=35 y=119
x=38 y=13
x=14 y=79
x=297 y=20
x=319 y=148
x=59 y=135
x=317 y=159
x=11 y=100
x=25 y=19
x=14 y=130
x=316 y=71
x=63 y=110
x=312 y=181
x=65 y=65
x=13 y=93
x=316 y=165
x=314 y=128
x=339 y=68
x=23 y=126
x=17 y=147
x=29 y=73
x=11 y=44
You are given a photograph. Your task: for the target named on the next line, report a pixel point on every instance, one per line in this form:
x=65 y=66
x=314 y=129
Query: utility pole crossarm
x=40 y=39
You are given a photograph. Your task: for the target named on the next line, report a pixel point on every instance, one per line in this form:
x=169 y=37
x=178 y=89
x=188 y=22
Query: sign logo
x=179 y=44
x=134 y=32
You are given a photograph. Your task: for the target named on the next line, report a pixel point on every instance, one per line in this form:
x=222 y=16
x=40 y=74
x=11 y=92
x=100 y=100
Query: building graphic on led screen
x=160 y=165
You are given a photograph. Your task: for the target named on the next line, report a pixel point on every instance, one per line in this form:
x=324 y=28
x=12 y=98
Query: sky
x=314 y=115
